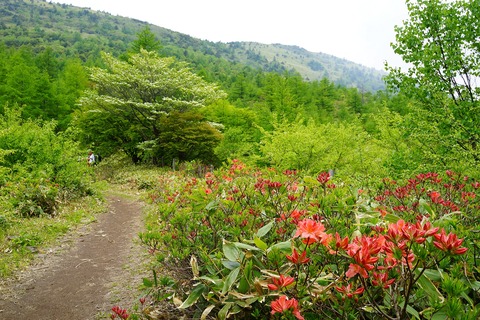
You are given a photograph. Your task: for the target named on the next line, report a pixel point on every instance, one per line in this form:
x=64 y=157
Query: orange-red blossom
x=349 y=291
x=298 y=259
x=283 y=304
x=312 y=231
x=280 y=282
x=449 y=243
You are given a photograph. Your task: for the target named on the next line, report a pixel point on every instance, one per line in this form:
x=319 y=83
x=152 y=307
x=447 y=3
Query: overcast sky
x=357 y=30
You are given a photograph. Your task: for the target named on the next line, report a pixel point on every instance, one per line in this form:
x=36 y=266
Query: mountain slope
x=312 y=66
x=83 y=32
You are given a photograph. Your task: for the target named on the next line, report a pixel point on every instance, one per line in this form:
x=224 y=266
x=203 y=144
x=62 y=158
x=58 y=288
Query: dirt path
x=85 y=281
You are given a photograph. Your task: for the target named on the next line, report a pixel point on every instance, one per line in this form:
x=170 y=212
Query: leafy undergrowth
x=244 y=243
x=22 y=238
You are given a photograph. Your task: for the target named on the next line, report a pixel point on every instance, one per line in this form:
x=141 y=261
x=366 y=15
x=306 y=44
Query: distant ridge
x=312 y=66
x=68 y=28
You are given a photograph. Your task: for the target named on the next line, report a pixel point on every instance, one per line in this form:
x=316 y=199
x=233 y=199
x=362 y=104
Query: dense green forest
x=49 y=65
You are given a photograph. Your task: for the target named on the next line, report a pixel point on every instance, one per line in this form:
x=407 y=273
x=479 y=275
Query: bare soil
x=99 y=268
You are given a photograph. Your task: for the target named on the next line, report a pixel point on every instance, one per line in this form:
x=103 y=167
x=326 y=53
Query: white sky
x=357 y=30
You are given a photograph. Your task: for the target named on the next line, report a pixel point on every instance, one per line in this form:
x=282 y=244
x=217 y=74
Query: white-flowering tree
x=131 y=102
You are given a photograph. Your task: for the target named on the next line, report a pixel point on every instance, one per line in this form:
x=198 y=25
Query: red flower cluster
x=349 y=292
x=324 y=177
x=280 y=282
x=377 y=252
x=312 y=231
x=364 y=250
x=283 y=304
x=298 y=259
x=117 y=311
x=449 y=243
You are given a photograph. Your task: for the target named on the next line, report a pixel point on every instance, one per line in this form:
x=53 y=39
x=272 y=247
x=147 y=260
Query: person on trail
x=91 y=158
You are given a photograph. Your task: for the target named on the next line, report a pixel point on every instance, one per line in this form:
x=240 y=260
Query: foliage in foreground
x=265 y=244
x=40 y=172
x=38 y=167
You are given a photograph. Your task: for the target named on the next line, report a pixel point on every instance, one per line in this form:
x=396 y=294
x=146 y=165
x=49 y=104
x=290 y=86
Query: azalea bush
x=262 y=244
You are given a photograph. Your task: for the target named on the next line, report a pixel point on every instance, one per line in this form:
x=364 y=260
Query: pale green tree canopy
x=130 y=98
x=440 y=42
x=345 y=148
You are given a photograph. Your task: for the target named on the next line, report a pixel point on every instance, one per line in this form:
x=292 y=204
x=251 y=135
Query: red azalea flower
x=310 y=230
x=340 y=244
x=355 y=269
x=292 y=197
x=280 y=282
x=122 y=313
x=295 y=258
x=381 y=279
x=427 y=228
x=449 y=243
x=435 y=196
x=296 y=214
x=323 y=177
x=283 y=304
x=467 y=196
x=349 y=292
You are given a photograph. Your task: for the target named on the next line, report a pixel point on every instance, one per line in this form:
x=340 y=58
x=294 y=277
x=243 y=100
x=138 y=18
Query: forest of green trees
x=148 y=101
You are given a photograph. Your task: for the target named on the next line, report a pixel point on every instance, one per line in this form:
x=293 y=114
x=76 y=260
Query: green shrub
x=261 y=242
x=38 y=167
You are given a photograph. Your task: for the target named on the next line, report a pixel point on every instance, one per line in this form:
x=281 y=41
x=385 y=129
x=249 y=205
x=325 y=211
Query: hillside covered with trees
x=49 y=51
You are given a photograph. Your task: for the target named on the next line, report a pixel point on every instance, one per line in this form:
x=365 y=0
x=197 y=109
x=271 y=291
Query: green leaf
x=310 y=181
x=207 y=311
x=216 y=282
x=441 y=315
x=264 y=230
x=282 y=246
x=222 y=314
x=413 y=312
x=260 y=244
x=434 y=275
x=429 y=288
x=391 y=218
x=193 y=297
x=247 y=270
x=230 y=265
x=232 y=276
x=245 y=246
x=147 y=283
x=211 y=205
x=231 y=251
x=467 y=298
x=243 y=285
x=475 y=285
